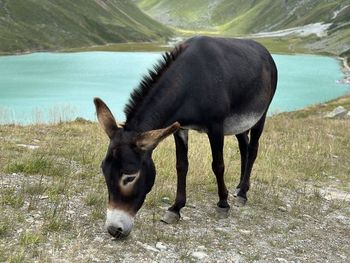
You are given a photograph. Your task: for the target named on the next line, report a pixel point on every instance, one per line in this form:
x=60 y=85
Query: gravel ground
x=290 y=226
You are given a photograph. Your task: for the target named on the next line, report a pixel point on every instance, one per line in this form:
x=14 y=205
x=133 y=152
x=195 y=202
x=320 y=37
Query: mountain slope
x=52 y=24
x=247 y=17
x=241 y=16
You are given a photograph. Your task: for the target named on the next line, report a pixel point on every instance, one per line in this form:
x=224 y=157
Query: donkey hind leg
x=181 y=143
x=216 y=138
x=252 y=151
x=243 y=142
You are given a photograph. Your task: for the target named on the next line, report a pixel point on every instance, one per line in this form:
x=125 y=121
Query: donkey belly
x=238 y=123
x=233 y=124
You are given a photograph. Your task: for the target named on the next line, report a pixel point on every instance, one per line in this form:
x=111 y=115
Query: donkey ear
x=105 y=118
x=150 y=139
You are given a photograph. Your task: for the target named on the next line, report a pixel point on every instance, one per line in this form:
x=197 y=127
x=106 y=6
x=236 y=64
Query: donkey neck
x=153 y=104
x=158 y=108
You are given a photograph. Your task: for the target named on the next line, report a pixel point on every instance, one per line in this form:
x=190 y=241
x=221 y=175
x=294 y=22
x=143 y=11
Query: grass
x=121 y=47
x=55 y=196
x=30 y=239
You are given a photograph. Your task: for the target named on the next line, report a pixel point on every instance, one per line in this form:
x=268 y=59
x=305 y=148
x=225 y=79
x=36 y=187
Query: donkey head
x=128 y=169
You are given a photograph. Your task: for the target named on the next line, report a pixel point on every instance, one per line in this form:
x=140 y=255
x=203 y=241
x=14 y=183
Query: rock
x=150 y=248
x=245 y=232
x=98 y=239
x=29 y=146
x=191 y=206
x=282 y=260
x=160 y=246
x=222 y=230
x=282 y=209
x=201 y=248
x=29 y=219
x=338 y=112
x=147 y=247
x=199 y=255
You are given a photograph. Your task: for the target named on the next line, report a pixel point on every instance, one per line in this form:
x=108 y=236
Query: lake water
x=48 y=87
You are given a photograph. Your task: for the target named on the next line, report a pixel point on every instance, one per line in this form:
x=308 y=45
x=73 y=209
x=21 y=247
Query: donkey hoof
x=170 y=217
x=240 y=201
x=222 y=212
x=235 y=193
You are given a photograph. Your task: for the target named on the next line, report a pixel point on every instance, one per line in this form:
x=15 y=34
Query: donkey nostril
x=115 y=231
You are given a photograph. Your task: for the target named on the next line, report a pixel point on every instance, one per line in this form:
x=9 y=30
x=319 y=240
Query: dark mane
x=148 y=81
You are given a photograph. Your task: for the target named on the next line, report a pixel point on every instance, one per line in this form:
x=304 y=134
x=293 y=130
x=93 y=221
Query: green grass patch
x=17 y=257
x=4 y=226
x=12 y=198
x=30 y=239
x=56 y=224
x=35 y=165
x=95 y=199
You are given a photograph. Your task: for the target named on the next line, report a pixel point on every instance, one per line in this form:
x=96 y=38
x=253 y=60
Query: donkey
x=220 y=86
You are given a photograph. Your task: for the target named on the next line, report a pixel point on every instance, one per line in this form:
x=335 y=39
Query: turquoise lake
x=49 y=87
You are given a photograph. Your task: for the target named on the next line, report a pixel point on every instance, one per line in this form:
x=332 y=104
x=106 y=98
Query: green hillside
x=246 y=17
x=56 y=24
x=242 y=16
x=272 y=15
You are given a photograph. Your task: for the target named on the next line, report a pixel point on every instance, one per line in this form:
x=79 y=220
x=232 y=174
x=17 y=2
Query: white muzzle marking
x=119 y=219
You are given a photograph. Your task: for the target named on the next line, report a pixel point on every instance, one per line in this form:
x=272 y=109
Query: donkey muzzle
x=119 y=223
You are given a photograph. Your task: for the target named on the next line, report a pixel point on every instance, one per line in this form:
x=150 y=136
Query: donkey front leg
x=181 y=143
x=216 y=138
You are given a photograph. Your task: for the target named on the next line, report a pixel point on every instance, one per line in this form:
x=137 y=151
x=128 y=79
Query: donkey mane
x=148 y=81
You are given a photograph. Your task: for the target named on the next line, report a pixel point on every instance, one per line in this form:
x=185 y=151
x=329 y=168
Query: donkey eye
x=128 y=180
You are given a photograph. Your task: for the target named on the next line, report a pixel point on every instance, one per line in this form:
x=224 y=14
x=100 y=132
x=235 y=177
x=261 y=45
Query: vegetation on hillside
x=242 y=18
x=53 y=196
x=97 y=24
x=245 y=17
x=52 y=25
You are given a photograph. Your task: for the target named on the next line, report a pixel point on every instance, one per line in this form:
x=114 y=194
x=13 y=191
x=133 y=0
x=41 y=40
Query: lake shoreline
x=310 y=110
x=163 y=47
x=52 y=109
x=109 y=47
x=154 y=47
x=345 y=70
